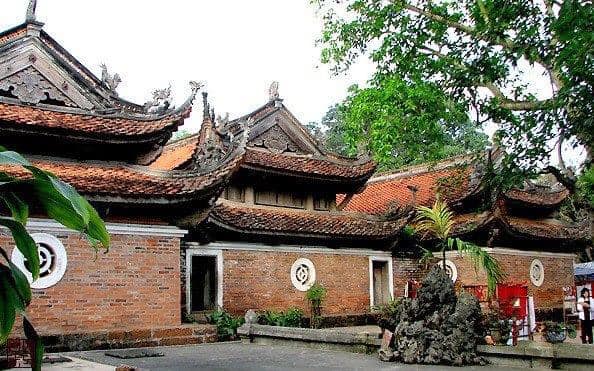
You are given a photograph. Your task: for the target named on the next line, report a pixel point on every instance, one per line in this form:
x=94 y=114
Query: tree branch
x=505 y=102
x=568 y=180
x=471 y=31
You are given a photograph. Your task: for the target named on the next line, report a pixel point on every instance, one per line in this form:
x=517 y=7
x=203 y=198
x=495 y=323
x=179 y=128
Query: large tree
x=399 y=123
x=406 y=123
x=527 y=66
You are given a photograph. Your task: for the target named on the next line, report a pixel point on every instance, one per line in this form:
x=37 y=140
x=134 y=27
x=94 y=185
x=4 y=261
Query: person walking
x=586 y=314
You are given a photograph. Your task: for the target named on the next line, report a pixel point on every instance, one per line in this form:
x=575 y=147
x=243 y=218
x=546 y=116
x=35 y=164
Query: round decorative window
x=303 y=274
x=52 y=261
x=537 y=273
x=450 y=269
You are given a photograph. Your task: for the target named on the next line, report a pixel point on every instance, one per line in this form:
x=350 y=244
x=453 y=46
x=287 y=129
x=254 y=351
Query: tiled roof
x=279 y=221
x=129 y=181
x=307 y=166
x=37 y=118
x=546 y=229
x=537 y=198
x=383 y=192
x=176 y=154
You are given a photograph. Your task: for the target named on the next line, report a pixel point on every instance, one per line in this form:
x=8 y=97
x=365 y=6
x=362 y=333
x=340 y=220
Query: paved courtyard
x=237 y=356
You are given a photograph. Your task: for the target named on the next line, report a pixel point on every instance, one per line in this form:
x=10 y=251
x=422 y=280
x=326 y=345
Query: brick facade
x=558 y=273
x=406 y=269
x=261 y=280
x=134 y=286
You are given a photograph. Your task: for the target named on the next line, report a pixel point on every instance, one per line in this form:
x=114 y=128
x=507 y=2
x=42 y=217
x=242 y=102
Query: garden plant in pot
x=554 y=332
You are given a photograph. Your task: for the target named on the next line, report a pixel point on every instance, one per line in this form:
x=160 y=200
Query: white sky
x=238 y=47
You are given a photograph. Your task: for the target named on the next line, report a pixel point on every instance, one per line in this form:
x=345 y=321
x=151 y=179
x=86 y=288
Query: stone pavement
x=76 y=364
x=238 y=356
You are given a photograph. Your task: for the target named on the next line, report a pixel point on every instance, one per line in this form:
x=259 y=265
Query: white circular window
x=450 y=269
x=52 y=261
x=537 y=273
x=303 y=274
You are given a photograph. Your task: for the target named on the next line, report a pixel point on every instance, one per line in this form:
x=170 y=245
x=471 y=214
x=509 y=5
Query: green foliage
x=59 y=201
x=498 y=326
x=555 y=332
x=407 y=122
x=389 y=314
x=180 y=134
x=315 y=296
x=330 y=132
x=478 y=56
x=293 y=317
x=438 y=222
x=227 y=324
x=586 y=186
x=316 y=293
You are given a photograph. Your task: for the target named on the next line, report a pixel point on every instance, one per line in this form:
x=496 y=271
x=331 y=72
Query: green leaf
x=12 y=158
x=24 y=243
x=9 y=302
x=18 y=208
x=37 y=351
x=58 y=193
x=96 y=229
x=20 y=280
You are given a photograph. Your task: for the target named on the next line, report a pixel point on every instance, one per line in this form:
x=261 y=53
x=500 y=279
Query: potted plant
x=554 y=332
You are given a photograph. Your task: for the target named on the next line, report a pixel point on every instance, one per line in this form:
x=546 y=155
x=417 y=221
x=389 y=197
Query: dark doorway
x=381 y=288
x=203 y=283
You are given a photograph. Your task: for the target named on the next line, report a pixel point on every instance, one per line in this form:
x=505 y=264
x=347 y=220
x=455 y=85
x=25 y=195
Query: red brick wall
x=558 y=273
x=261 y=280
x=406 y=269
x=135 y=285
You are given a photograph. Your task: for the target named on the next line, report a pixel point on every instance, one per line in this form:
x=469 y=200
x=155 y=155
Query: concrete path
x=238 y=356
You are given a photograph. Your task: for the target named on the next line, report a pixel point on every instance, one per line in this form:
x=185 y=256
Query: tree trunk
x=591 y=211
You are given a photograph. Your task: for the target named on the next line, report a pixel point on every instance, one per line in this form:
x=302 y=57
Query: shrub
x=389 y=313
x=226 y=324
x=498 y=326
x=293 y=317
x=315 y=296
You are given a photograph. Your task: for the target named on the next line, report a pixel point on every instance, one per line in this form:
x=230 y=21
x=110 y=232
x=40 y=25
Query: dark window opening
x=285 y=199
x=234 y=194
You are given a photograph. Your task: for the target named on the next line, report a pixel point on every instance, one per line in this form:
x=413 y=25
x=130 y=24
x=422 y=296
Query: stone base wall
x=138 y=338
x=136 y=285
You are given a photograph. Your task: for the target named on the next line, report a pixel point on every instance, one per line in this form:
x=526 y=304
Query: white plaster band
x=46 y=225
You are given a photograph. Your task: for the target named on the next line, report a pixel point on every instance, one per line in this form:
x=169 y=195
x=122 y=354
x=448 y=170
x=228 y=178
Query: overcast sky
x=238 y=47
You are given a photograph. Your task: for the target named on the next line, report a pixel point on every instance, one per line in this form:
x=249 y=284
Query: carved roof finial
x=111 y=82
x=205 y=107
x=31 y=11
x=273 y=91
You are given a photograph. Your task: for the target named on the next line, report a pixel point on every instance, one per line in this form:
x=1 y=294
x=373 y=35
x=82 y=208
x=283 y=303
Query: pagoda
x=68 y=121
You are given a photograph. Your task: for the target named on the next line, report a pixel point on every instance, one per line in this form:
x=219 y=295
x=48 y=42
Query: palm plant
x=438 y=222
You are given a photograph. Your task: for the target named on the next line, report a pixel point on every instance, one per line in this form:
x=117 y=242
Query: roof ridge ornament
x=161 y=101
x=111 y=82
x=273 y=94
x=31 y=16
